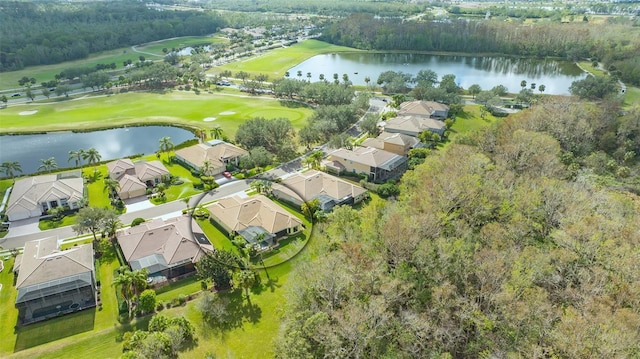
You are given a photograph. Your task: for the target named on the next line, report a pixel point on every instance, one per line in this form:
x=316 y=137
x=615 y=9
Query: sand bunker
x=227 y=113
x=209 y=119
x=27 y=113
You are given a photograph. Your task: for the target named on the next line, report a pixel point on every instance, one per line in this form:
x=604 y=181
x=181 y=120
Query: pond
x=111 y=144
x=485 y=71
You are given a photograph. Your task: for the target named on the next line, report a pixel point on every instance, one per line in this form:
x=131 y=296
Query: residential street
x=17 y=237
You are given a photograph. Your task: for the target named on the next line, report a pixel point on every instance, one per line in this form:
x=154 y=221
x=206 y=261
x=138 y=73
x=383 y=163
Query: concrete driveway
x=23 y=226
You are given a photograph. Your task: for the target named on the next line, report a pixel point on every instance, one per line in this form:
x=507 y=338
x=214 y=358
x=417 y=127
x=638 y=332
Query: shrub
x=182 y=299
x=137 y=221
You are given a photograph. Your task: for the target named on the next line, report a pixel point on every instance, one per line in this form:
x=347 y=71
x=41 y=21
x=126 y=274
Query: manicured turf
x=469 y=121
x=9 y=80
x=278 y=61
x=181 y=42
x=185 y=287
x=177 y=107
x=8 y=312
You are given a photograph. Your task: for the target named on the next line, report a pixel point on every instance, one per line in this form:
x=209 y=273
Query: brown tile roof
x=43 y=262
x=216 y=153
x=372 y=157
x=421 y=108
x=413 y=124
x=312 y=184
x=28 y=193
x=120 y=167
x=239 y=213
x=173 y=239
x=146 y=171
x=388 y=137
x=129 y=183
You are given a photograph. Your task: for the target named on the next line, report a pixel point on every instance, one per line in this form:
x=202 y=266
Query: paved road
x=175 y=208
x=161 y=211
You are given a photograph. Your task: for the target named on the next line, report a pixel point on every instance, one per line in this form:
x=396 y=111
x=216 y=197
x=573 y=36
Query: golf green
x=227 y=109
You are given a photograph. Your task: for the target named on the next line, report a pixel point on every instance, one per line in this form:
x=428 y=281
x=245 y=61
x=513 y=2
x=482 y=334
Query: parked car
x=16 y=95
x=223 y=83
x=226 y=174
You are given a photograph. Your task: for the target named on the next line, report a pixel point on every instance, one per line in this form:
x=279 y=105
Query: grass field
x=9 y=80
x=278 y=61
x=172 y=108
x=180 y=42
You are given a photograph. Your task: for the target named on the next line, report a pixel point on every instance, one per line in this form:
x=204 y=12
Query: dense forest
x=47 y=33
x=615 y=43
x=502 y=245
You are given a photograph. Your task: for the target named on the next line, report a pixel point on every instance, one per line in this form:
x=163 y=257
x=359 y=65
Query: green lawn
x=185 y=287
x=275 y=63
x=9 y=80
x=218 y=238
x=469 y=121
x=8 y=312
x=173 y=108
x=181 y=42
x=97 y=196
x=183 y=190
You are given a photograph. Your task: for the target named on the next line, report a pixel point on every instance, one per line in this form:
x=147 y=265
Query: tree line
x=613 y=43
x=48 y=33
x=500 y=245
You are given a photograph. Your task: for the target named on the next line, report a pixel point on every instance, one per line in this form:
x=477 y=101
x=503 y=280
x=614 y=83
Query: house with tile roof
x=218 y=153
x=34 y=196
x=134 y=178
x=165 y=248
x=329 y=190
x=397 y=143
x=259 y=220
x=430 y=109
x=414 y=125
x=378 y=165
x=51 y=282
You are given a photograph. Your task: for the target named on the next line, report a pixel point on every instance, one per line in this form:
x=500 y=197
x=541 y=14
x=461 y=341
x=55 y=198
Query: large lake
x=111 y=144
x=487 y=72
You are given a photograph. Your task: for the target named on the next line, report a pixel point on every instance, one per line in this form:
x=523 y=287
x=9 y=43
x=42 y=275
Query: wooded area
x=49 y=33
x=501 y=245
x=614 y=43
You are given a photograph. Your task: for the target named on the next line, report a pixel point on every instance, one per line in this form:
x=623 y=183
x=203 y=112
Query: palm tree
x=131 y=285
x=523 y=83
x=76 y=156
x=48 y=165
x=314 y=159
x=245 y=279
x=92 y=156
x=166 y=145
x=321 y=77
x=206 y=168
x=112 y=186
x=541 y=88
x=10 y=168
x=217 y=132
x=308 y=76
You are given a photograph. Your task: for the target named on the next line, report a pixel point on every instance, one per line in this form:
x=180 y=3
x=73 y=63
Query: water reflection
x=111 y=144
x=488 y=72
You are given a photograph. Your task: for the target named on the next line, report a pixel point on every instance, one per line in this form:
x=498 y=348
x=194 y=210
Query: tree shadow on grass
x=293 y=104
x=270 y=284
x=44 y=332
x=237 y=312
